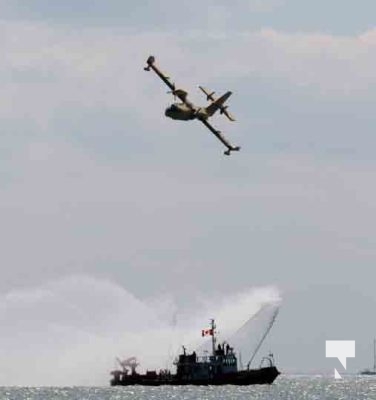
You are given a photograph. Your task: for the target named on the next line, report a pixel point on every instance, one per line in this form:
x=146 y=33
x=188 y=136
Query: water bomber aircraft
x=185 y=110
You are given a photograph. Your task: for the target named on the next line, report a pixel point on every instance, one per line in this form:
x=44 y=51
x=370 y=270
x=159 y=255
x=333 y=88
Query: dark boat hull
x=368 y=373
x=248 y=377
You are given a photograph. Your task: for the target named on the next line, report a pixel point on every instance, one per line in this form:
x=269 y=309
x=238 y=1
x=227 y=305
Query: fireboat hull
x=259 y=376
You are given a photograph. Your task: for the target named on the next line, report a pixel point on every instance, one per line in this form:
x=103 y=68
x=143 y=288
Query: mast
x=374 y=355
x=212 y=327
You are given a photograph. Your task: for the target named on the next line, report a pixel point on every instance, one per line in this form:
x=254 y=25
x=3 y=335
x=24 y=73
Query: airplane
x=186 y=110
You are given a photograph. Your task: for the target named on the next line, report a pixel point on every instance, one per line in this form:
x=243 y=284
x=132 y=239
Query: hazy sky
x=97 y=184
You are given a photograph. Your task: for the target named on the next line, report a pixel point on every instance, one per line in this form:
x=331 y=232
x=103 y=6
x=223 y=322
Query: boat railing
x=204 y=359
x=215 y=359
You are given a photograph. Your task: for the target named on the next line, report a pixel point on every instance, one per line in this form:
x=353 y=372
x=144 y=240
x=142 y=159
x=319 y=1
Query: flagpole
x=213 y=336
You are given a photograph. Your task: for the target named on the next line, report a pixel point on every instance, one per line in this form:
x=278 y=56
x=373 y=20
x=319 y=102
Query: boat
x=369 y=371
x=219 y=368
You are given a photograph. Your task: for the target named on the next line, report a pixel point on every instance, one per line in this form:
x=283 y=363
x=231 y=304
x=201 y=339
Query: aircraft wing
x=180 y=93
x=218 y=134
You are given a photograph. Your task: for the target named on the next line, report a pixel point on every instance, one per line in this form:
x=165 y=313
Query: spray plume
x=70 y=331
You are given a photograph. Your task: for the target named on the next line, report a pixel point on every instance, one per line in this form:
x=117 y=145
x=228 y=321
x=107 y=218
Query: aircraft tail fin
x=218 y=104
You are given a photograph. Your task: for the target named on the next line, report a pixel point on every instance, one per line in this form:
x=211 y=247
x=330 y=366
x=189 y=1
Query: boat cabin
x=191 y=366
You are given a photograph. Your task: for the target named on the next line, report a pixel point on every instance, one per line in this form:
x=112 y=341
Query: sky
x=106 y=204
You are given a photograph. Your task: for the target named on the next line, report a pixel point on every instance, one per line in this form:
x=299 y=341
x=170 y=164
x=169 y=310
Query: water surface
x=284 y=388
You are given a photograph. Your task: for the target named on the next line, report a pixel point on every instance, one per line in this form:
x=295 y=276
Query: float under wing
x=179 y=93
x=219 y=135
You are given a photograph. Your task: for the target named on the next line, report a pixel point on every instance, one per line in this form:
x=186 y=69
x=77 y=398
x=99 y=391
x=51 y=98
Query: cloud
x=320 y=63
x=262 y=6
x=63 y=67
x=87 y=84
x=49 y=70
x=342 y=65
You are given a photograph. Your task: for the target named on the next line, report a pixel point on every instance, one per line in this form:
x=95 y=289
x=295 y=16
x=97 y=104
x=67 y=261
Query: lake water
x=284 y=388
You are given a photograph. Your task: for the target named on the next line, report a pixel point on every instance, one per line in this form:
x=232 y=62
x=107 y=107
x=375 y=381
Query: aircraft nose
x=167 y=112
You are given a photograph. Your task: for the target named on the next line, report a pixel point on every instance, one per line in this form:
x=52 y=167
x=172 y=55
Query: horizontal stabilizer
x=217 y=104
x=209 y=96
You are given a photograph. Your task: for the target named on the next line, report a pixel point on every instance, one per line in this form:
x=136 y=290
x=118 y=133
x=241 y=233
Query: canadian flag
x=207 y=332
